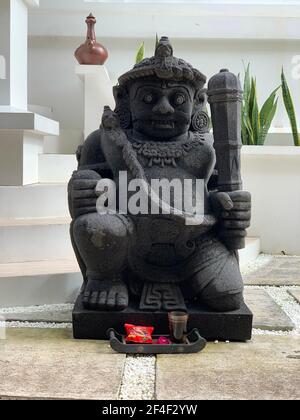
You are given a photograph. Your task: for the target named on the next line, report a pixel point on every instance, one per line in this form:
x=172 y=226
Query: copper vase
x=91 y=52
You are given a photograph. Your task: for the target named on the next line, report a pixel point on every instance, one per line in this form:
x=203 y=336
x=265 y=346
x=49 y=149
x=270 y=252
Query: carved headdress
x=165 y=66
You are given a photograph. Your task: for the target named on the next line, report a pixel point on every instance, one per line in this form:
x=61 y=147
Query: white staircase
x=39 y=283
x=37 y=262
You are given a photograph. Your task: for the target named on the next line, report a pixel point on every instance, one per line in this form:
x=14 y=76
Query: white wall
x=272 y=176
x=52 y=79
x=52 y=83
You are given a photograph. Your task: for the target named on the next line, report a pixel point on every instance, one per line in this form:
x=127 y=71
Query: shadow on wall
x=2 y=67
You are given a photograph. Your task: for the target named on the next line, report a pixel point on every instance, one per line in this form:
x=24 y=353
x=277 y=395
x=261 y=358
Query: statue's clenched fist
x=234 y=212
x=82 y=192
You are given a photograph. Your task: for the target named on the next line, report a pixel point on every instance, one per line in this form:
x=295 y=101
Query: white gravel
x=41 y=325
x=287 y=303
x=261 y=261
x=290 y=306
x=37 y=309
x=138 y=382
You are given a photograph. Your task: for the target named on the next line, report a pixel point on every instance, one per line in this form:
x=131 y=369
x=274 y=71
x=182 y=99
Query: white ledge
x=29 y=121
x=87 y=70
x=36 y=221
x=32 y=3
x=271 y=151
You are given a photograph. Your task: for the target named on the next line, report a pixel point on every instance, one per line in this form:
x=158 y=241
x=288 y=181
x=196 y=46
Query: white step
x=249 y=254
x=35 y=239
x=39 y=283
x=10 y=119
x=36 y=200
x=45 y=111
x=56 y=168
x=58 y=281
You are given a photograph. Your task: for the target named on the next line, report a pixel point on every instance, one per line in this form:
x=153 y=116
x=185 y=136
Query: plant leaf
x=267 y=124
x=156 y=41
x=255 y=121
x=247 y=88
x=268 y=106
x=248 y=127
x=289 y=106
x=140 y=54
x=245 y=137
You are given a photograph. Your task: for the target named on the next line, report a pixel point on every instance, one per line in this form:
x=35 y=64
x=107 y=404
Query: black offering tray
x=194 y=344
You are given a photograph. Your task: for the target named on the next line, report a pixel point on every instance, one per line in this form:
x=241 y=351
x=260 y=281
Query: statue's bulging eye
x=148 y=99
x=179 y=99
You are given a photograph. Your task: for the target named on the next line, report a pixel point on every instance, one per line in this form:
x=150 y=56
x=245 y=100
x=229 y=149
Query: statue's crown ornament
x=165 y=66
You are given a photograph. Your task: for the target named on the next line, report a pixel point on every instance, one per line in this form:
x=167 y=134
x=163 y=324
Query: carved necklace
x=165 y=153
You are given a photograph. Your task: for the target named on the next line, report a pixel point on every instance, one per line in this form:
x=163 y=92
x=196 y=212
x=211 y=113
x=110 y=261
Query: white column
x=13 y=52
x=21 y=132
x=98 y=92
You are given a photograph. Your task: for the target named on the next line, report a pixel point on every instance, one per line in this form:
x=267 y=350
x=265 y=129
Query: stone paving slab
x=280 y=271
x=295 y=293
x=267 y=314
x=268 y=368
x=45 y=316
x=49 y=364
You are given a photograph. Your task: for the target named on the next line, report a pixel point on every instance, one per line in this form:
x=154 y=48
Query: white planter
x=272 y=175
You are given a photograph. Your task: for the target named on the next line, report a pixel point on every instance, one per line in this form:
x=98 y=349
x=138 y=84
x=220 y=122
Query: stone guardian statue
x=159 y=131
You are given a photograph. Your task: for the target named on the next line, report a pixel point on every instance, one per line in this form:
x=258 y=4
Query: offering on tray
x=164 y=341
x=138 y=334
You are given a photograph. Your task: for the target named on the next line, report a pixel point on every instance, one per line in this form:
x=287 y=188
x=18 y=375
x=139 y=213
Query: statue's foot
x=105 y=295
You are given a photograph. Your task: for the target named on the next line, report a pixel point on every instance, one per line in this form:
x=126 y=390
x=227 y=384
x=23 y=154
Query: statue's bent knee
x=102 y=241
x=102 y=231
x=225 y=291
x=226 y=303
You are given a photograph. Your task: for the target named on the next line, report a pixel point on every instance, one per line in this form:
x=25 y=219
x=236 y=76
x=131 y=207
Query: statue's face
x=161 y=110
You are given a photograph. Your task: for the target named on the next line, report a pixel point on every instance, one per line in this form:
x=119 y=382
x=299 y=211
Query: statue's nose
x=163 y=107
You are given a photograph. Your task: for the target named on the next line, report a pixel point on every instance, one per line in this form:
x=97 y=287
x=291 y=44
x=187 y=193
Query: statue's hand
x=234 y=212
x=82 y=192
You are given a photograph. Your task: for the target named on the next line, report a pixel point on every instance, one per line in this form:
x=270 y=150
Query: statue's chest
x=174 y=160
x=164 y=154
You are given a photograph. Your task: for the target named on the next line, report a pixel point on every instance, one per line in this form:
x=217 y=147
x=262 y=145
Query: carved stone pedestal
x=232 y=326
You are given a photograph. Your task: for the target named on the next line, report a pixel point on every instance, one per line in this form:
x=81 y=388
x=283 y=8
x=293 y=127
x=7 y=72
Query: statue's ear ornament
x=200 y=122
x=201 y=98
x=200 y=119
x=124 y=115
x=122 y=106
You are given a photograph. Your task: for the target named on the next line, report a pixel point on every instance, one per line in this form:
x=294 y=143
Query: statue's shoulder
x=90 y=155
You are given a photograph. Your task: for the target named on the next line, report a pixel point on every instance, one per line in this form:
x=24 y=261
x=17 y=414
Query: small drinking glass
x=178 y=326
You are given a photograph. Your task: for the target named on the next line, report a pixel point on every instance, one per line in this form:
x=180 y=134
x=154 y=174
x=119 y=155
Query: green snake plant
x=289 y=106
x=141 y=51
x=256 y=123
x=140 y=54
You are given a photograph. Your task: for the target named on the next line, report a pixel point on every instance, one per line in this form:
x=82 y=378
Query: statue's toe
x=94 y=300
x=111 y=301
x=122 y=301
x=86 y=299
x=102 y=301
